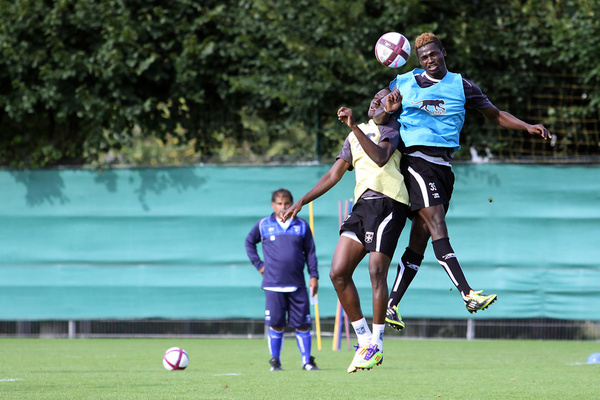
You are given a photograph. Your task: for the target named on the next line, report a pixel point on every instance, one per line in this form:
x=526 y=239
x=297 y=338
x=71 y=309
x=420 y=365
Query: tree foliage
x=149 y=82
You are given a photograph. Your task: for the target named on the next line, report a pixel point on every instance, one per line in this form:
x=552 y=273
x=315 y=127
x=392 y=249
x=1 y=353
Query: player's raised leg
x=407 y=269
x=348 y=253
x=378 y=268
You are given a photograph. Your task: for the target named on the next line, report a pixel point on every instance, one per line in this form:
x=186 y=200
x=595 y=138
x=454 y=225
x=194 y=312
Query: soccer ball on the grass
x=175 y=358
x=594 y=358
x=392 y=49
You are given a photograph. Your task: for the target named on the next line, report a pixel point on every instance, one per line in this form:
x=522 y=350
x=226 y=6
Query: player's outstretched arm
x=327 y=181
x=509 y=121
x=379 y=153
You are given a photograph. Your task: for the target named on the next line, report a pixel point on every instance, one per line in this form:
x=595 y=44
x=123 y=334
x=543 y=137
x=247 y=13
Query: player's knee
x=378 y=276
x=334 y=276
x=379 y=263
x=338 y=278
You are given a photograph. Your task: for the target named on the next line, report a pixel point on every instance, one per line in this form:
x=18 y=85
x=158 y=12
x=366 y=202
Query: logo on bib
x=435 y=104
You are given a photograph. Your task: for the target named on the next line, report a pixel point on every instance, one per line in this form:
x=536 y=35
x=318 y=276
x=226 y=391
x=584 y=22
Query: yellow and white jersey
x=387 y=179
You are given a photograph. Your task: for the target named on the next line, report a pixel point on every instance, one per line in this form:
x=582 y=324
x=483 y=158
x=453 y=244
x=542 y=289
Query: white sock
x=378 y=335
x=363 y=333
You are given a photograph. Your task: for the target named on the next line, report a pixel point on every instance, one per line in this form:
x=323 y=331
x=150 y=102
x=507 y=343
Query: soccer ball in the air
x=175 y=358
x=392 y=49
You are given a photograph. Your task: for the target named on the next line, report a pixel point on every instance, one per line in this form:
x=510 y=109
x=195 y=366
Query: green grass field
x=238 y=369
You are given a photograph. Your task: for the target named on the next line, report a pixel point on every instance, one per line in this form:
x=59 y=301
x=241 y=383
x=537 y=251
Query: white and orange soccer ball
x=392 y=49
x=175 y=359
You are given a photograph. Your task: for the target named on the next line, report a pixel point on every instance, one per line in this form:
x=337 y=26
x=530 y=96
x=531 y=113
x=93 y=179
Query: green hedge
x=151 y=82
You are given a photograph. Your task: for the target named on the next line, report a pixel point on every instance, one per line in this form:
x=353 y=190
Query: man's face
x=281 y=204
x=432 y=60
x=377 y=102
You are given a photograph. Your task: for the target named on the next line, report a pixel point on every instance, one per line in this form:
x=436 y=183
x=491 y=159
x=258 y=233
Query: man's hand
x=291 y=212
x=539 y=129
x=313 y=284
x=393 y=101
x=345 y=115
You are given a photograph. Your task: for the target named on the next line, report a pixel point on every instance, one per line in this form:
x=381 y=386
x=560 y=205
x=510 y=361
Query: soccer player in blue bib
x=430 y=105
x=287 y=246
x=373 y=226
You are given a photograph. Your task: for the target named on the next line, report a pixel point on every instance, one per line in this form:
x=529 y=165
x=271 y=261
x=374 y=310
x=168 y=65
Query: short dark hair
x=281 y=193
x=426 y=38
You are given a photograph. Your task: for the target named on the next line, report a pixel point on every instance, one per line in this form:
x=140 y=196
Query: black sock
x=407 y=269
x=447 y=259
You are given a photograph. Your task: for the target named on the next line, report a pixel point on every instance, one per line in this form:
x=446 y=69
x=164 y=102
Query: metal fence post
x=470 y=329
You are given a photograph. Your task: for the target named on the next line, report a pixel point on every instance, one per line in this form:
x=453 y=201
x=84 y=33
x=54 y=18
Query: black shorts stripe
x=428 y=184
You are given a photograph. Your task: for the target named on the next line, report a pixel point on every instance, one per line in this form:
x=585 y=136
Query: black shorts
x=377 y=223
x=428 y=184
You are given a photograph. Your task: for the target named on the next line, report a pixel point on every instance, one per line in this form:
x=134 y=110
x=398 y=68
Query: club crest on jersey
x=432 y=106
x=368 y=237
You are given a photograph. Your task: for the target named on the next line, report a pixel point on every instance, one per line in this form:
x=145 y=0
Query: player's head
x=281 y=200
x=426 y=38
x=377 y=101
x=282 y=193
x=431 y=53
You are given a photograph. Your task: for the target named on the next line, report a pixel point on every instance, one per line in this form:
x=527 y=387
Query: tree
x=145 y=82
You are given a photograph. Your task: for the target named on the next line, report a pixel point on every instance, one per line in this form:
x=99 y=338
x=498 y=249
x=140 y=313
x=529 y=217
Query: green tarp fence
x=168 y=242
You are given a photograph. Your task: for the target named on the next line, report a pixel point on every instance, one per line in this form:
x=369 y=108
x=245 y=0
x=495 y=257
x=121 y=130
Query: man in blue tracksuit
x=287 y=247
